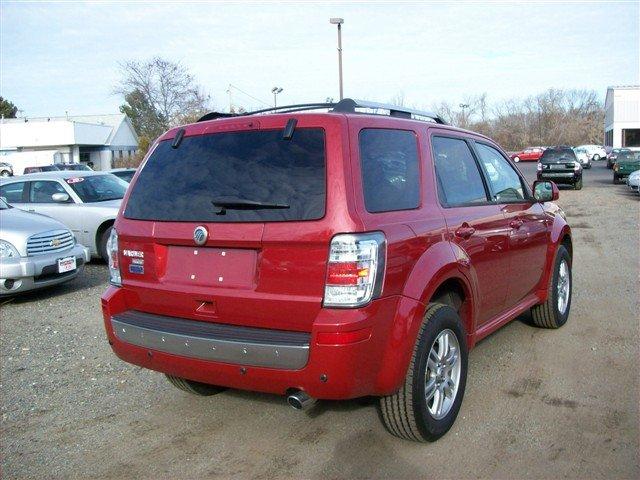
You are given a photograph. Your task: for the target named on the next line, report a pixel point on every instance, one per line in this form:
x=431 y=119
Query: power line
x=249 y=95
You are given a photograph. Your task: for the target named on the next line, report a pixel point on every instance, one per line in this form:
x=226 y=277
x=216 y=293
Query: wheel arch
x=437 y=276
x=100 y=230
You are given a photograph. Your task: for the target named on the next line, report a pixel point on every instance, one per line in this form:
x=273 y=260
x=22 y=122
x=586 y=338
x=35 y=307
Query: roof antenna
x=289 y=129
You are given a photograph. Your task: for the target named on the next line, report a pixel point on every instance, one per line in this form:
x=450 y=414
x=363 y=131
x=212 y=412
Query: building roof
x=65 y=130
x=623 y=87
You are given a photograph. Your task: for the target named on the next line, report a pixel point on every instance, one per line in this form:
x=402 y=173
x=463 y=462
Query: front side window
x=248 y=176
x=42 y=191
x=12 y=192
x=504 y=182
x=98 y=188
x=459 y=180
x=390 y=170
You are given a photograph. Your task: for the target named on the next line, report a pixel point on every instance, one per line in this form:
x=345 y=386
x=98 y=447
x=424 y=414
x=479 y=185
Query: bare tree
x=160 y=94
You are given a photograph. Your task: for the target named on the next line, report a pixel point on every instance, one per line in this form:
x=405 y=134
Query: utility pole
x=339 y=22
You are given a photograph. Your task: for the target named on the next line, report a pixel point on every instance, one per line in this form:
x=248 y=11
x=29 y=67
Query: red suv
x=331 y=255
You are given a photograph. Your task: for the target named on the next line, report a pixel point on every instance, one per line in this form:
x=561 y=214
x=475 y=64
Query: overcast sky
x=63 y=56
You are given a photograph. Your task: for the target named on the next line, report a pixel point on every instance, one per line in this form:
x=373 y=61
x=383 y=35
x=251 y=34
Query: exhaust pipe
x=300 y=400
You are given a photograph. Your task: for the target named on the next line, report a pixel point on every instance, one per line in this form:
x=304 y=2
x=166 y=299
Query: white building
x=622 y=116
x=100 y=139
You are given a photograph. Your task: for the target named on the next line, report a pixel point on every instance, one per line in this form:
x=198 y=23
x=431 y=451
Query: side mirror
x=545 y=191
x=60 y=197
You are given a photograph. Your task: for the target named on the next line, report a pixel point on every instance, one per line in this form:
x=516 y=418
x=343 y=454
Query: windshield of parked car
x=628 y=156
x=98 y=188
x=558 y=155
x=580 y=150
x=248 y=176
x=125 y=175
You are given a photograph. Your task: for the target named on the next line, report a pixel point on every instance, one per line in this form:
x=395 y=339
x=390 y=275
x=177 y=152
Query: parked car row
x=53 y=222
x=585 y=154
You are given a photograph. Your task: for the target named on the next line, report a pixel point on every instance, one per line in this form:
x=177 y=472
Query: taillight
x=114 y=264
x=355 y=269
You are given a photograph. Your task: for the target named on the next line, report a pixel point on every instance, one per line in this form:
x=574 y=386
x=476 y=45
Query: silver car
x=36 y=251
x=86 y=202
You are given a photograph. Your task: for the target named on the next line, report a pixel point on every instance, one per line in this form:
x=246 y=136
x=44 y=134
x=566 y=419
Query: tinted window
x=12 y=192
x=41 y=191
x=98 y=188
x=459 y=180
x=558 y=155
x=126 y=175
x=505 y=183
x=182 y=184
x=390 y=172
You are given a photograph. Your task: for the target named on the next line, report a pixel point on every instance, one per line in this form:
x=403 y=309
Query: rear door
x=476 y=225
x=16 y=194
x=232 y=224
x=526 y=220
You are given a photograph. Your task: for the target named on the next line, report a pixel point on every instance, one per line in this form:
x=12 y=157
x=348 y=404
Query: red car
x=529 y=154
x=331 y=255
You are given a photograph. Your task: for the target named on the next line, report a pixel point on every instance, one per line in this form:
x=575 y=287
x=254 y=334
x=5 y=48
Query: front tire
x=428 y=402
x=595 y=158
x=555 y=311
x=195 y=388
x=5 y=173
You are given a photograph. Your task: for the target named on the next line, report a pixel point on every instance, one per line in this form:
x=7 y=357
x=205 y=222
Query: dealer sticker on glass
x=66 y=264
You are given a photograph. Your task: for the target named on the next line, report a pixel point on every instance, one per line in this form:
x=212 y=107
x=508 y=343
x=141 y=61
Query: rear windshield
x=550 y=155
x=220 y=177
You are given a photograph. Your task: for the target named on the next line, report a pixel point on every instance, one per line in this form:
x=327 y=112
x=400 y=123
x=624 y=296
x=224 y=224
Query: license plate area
x=212 y=267
x=67 y=264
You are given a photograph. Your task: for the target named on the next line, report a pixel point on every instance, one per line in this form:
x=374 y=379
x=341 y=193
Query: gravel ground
x=539 y=403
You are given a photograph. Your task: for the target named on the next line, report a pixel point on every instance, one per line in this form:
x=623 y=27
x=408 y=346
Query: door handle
x=465 y=231
x=516 y=224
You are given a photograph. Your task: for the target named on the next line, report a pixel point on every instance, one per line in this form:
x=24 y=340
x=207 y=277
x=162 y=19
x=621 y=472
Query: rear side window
x=236 y=169
x=12 y=192
x=390 y=171
x=459 y=180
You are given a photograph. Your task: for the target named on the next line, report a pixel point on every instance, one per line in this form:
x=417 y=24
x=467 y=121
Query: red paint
x=529 y=154
x=500 y=256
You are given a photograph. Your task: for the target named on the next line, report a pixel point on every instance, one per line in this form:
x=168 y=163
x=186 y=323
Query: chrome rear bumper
x=216 y=342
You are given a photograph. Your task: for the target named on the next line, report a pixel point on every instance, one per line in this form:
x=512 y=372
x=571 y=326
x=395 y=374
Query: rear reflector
x=343 y=338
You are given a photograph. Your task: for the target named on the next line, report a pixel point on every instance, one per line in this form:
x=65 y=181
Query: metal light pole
x=339 y=22
x=275 y=91
x=464 y=117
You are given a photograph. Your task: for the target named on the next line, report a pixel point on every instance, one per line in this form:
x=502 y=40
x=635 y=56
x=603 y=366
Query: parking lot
x=539 y=403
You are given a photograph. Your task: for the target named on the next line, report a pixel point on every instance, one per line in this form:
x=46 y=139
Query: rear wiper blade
x=241 y=204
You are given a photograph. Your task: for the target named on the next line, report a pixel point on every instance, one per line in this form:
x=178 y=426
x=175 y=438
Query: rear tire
x=195 y=388
x=435 y=380
x=102 y=244
x=554 y=313
x=578 y=185
x=595 y=158
x=5 y=173
x=516 y=159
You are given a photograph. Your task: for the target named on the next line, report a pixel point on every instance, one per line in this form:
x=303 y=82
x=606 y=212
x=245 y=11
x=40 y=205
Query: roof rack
x=346 y=105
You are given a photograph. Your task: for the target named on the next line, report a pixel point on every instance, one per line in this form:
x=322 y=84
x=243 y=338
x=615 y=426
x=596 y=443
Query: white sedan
x=86 y=202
